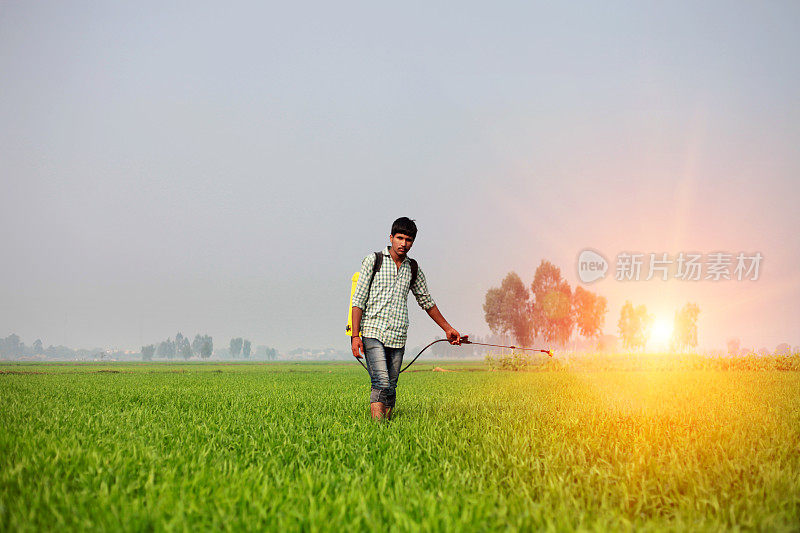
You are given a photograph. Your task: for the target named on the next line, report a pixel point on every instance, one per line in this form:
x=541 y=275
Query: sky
x=223 y=168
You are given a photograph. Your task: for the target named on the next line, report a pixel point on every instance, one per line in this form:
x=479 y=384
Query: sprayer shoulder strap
x=376 y=266
x=414 y=270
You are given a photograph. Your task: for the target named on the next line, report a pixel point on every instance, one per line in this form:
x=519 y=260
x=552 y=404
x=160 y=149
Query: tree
x=634 y=326
x=589 y=310
x=166 y=349
x=207 y=347
x=37 y=346
x=236 y=346
x=266 y=352
x=183 y=347
x=197 y=343
x=11 y=346
x=684 y=331
x=179 y=338
x=645 y=321
x=552 y=304
x=627 y=324
x=246 y=349
x=148 y=351
x=203 y=346
x=506 y=309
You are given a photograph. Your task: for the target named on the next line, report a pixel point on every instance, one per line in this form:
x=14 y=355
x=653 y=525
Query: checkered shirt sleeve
x=421 y=292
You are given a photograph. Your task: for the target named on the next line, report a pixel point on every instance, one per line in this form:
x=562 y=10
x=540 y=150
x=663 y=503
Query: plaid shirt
x=385 y=306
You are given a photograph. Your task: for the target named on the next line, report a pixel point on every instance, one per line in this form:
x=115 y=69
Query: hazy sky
x=223 y=168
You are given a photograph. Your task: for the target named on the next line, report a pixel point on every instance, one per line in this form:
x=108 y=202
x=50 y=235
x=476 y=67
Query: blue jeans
x=384 y=368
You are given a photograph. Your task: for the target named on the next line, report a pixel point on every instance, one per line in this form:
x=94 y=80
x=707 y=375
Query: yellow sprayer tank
x=349 y=307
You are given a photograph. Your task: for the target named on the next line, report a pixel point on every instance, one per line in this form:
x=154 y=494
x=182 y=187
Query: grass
x=290 y=447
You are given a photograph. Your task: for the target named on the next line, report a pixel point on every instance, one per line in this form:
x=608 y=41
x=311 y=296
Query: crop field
x=143 y=447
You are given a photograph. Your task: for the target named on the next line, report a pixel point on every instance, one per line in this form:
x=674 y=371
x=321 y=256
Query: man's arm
x=359 y=303
x=452 y=335
x=355 y=343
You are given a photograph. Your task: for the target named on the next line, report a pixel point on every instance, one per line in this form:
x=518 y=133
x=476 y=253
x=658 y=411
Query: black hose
x=463 y=340
x=420 y=353
x=359 y=359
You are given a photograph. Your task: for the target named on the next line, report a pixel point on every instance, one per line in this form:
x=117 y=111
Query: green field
x=291 y=447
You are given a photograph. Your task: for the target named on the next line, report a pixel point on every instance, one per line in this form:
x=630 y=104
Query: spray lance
x=465 y=340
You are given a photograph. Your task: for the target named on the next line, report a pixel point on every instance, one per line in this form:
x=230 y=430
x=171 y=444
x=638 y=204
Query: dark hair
x=405 y=226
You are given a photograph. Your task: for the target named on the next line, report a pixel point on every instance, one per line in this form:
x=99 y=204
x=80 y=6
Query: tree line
x=552 y=311
x=242 y=347
x=12 y=346
x=203 y=346
x=549 y=310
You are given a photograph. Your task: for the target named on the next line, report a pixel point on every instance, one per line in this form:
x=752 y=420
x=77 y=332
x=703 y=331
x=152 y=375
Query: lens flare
x=661 y=333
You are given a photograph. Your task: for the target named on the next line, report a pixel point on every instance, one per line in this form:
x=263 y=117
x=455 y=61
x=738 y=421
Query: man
x=380 y=310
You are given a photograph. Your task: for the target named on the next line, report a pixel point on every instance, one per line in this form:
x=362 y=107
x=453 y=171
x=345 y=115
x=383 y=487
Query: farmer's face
x=401 y=244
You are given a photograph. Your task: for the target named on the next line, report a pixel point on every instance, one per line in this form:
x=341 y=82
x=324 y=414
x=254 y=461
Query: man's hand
x=358 y=347
x=452 y=336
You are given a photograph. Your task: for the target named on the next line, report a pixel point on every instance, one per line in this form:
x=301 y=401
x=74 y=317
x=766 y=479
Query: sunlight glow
x=661 y=333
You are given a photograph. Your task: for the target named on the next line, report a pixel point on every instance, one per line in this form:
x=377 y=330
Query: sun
x=661 y=333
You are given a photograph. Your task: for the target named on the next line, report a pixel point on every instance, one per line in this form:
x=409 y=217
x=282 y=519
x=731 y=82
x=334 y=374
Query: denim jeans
x=384 y=368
